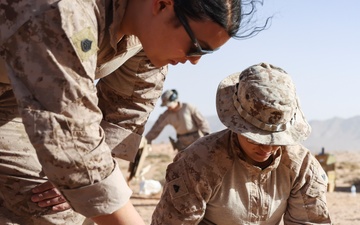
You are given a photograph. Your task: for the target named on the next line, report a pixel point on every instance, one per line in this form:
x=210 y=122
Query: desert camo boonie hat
x=260 y=103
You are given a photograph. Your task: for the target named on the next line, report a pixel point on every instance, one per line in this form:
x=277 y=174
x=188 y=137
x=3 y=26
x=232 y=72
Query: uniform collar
x=119 y=7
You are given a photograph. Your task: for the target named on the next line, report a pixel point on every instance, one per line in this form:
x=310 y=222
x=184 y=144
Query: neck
x=135 y=10
x=262 y=165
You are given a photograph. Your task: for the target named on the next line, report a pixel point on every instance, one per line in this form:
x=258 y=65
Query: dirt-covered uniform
x=50 y=110
x=211 y=183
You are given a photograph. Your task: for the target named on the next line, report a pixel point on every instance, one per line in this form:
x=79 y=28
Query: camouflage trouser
x=20 y=171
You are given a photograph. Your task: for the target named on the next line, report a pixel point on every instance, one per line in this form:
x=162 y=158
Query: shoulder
x=188 y=106
x=165 y=114
x=85 y=12
x=293 y=158
x=84 y=33
x=295 y=155
x=301 y=161
x=207 y=158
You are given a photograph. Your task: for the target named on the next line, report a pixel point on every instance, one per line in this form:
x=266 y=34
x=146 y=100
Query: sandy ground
x=344 y=207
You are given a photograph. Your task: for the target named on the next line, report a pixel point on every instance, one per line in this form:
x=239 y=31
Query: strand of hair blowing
x=237 y=17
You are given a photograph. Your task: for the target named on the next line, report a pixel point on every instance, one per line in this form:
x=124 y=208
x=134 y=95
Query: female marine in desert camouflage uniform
x=255 y=171
x=54 y=120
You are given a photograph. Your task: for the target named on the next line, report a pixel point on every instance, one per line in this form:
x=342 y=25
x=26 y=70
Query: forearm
x=126 y=215
x=158 y=126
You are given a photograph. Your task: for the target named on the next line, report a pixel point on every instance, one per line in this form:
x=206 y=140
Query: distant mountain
x=335 y=134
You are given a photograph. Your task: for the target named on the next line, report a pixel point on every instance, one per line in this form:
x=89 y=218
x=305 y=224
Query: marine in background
x=186 y=119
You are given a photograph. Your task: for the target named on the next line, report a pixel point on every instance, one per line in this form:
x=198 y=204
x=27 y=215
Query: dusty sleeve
x=126 y=99
x=307 y=202
x=192 y=180
x=158 y=126
x=185 y=193
x=52 y=60
x=200 y=121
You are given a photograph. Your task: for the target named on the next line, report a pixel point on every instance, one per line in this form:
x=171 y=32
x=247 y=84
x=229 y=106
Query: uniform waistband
x=187 y=134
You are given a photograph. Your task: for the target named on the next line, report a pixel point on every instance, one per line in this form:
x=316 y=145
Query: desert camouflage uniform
x=54 y=50
x=188 y=122
x=211 y=183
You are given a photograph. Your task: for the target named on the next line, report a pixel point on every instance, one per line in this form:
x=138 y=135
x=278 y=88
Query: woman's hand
x=46 y=195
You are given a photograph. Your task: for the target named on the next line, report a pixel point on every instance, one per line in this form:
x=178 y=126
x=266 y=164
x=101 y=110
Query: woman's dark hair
x=235 y=16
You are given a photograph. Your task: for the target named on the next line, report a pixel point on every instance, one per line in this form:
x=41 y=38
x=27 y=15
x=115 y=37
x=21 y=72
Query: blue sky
x=316 y=41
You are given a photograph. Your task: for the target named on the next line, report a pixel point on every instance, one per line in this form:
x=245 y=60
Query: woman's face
x=167 y=41
x=256 y=153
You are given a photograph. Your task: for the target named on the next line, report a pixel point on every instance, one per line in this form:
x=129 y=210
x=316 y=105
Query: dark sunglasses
x=198 y=51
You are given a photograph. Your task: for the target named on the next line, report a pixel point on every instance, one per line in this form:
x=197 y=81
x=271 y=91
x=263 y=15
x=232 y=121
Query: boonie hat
x=261 y=104
x=168 y=97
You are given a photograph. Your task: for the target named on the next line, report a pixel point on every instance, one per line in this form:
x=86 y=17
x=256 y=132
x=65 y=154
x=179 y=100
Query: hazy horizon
x=334 y=134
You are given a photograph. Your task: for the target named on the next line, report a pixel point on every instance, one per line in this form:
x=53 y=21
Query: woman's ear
x=161 y=5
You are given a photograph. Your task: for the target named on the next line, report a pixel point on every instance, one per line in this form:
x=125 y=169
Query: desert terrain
x=344 y=207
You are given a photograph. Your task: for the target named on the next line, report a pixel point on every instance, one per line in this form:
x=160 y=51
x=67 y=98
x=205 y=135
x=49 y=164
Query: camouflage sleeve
x=182 y=200
x=191 y=180
x=307 y=203
x=158 y=126
x=200 y=121
x=52 y=61
x=126 y=99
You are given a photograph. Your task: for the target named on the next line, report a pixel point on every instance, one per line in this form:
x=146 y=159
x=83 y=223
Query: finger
x=49 y=194
x=61 y=207
x=43 y=187
x=52 y=202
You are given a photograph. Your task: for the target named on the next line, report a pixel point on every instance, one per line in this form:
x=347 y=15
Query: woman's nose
x=266 y=148
x=194 y=59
